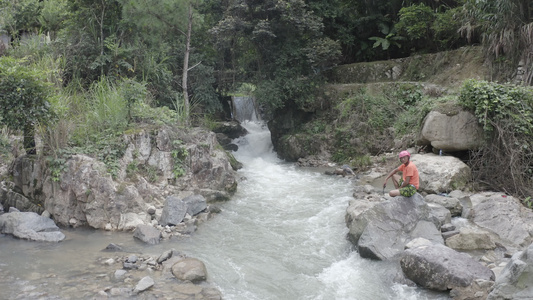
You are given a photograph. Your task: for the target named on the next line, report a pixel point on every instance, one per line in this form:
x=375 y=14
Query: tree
x=17 y=16
x=506 y=29
x=25 y=99
x=277 y=45
x=170 y=23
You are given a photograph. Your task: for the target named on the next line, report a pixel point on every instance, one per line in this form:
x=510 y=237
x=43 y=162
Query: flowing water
x=282 y=236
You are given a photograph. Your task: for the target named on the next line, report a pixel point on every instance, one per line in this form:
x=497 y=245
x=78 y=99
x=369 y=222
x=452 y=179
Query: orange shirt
x=410 y=170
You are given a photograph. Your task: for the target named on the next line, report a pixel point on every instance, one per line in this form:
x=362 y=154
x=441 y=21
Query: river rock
x=173 y=212
x=129 y=221
x=147 y=234
x=119 y=274
x=516 y=279
x=113 y=248
x=11 y=198
x=231 y=129
x=380 y=231
x=440 y=174
x=452 y=132
x=195 y=204
x=452 y=204
x=190 y=269
x=439 y=214
x=30 y=226
x=505 y=216
x=193 y=291
x=440 y=268
x=471 y=238
x=86 y=192
x=144 y=284
x=479 y=289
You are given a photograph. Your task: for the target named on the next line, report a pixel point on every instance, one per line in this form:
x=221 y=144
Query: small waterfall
x=244 y=109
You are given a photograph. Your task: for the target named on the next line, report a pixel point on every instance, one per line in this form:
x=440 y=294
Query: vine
x=179 y=154
x=505 y=112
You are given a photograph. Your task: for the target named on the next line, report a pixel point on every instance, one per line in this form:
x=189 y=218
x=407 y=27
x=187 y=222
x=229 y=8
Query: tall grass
x=102 y=110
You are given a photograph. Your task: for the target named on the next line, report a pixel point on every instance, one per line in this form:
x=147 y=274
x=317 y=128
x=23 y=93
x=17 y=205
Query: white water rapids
x=281 y=236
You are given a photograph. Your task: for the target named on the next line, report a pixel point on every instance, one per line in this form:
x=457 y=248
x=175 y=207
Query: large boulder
x=516 y=279
x=190 y=269
x=30 y=226
x=10 y=198
x=471 y=238
x=437 y=267
x=451 y=203
x=88 y=194
x=195 y=204
x=505 y=216
x=173 y=212
x=84 y=193
x=440 y=174
x=381 y=230
x=147 y=234
x=452 y=132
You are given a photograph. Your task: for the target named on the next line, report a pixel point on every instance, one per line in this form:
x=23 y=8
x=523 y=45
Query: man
x=409 y=184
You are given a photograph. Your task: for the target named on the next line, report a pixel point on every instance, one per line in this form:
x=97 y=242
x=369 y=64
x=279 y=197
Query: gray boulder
x=439 y=214
x=195 y=204
x=440 y=174
x=516 y=279
x=440 y=268
x=173 y=212
x=147 y=234
x=505 y=216
x=144 y=284
x=85 y=193
x=30 y=226
x=452 y=132
x=452 y=204
x=190 y=269
x=380 y=231
x=471 y=238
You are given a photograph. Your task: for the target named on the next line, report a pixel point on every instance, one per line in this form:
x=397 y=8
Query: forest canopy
x=203 y=49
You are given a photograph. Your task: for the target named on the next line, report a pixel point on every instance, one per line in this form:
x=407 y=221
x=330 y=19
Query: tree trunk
x=186 y=66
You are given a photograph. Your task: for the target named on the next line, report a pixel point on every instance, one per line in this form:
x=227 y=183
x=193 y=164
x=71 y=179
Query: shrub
x=505 y=112
x=25 y=98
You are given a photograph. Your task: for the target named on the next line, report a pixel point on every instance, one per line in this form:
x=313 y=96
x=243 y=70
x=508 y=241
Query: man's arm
x=389 y=176
x=406 y=181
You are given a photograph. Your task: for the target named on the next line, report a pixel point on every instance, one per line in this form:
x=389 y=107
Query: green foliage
x=57 y=164
x=132 y=168
x=415 y=21
x=16 y=16
x=412 y=107
x=53 y=15
x=5 y=146
x=179 y=153
x=246 y=89
x=361 y=162
x=316 y=126
x=25 y=94
x=391 y=38
x=277 y=45
x=377 y=111
x=150 y=172
x=143 y=112
x=25 y=99
x=504 y=27
x=505 y=112
x=446 y=28
x=492 y=102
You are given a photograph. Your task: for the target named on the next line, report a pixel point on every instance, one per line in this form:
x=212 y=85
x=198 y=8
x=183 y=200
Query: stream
x=281 y=236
